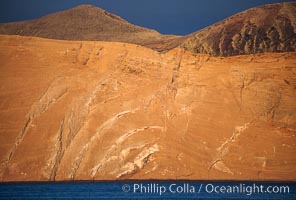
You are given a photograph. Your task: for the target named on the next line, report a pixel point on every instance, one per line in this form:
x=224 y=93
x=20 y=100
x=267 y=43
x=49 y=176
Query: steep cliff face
x=99 y=110
x=268 y=28
x=84 y=22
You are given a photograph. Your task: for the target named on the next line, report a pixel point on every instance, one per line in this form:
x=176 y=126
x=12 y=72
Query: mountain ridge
x=267 y=28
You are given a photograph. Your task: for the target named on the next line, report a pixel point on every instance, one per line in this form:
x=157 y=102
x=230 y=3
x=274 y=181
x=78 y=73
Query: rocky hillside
x=85 y=22
x=268 y=28
x=72 y=110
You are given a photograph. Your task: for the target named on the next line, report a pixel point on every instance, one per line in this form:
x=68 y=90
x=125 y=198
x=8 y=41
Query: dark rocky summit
x=268 y=28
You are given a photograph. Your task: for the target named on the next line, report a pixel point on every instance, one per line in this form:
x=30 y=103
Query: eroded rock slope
x=100 y=110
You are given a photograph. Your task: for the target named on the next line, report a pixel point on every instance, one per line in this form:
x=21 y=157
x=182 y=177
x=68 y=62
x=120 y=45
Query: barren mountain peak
x=84 y=22
x=83 y=6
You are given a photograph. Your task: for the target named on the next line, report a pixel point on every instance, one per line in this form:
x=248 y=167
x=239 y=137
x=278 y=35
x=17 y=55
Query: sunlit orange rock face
x=107 y=111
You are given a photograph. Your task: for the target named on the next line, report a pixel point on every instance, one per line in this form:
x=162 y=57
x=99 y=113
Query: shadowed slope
x=268 y=28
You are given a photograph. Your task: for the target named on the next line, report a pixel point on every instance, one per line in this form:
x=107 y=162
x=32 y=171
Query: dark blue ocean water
x=149 y=190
